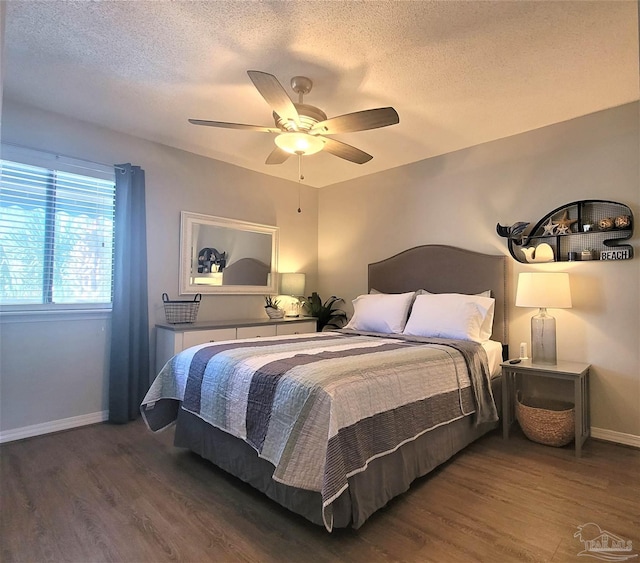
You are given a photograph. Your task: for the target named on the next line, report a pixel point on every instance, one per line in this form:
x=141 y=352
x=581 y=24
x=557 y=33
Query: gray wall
x=30 y=393
x=56 y=370
x=458 y=198
x=52 y=368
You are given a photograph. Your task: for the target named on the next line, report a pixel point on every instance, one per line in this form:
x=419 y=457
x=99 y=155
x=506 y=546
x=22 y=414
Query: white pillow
x=381 y=312
x=452 y=315
x=487 y=325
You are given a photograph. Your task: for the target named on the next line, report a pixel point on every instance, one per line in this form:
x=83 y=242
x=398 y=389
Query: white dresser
x=171 y=339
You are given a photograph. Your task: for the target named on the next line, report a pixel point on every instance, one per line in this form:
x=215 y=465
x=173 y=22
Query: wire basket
x=178 y=312
x=545 y=421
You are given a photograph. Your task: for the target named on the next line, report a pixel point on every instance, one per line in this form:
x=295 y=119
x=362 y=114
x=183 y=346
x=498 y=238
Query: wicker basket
x=178 y=312
x=546 y=421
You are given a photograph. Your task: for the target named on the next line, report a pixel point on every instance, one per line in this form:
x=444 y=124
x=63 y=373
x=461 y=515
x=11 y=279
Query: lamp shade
x=544 y=289
x=292 y=284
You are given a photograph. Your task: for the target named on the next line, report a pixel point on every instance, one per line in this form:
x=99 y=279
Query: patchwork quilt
x=321 y=406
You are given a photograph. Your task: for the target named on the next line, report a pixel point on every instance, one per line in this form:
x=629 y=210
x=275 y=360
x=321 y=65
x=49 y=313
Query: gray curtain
x=129 y=371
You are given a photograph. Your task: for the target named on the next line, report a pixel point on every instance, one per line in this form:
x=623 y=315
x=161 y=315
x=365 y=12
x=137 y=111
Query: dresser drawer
x=254 y=331
x=195 y=337
x=296 y=328
x=171 y=339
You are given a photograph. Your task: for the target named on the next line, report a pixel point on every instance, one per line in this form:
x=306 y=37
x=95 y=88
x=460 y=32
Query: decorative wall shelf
x=590 y=229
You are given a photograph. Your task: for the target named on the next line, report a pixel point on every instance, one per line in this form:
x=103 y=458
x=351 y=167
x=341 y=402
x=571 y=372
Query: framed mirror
x=219 y=255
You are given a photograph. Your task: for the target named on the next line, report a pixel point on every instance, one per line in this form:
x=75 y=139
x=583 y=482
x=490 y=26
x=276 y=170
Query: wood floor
x=121 y=493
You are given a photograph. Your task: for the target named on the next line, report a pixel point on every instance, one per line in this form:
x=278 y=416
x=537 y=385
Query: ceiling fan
x=302 y=128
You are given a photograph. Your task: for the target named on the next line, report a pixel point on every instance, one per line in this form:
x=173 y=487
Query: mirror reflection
x=220 y=255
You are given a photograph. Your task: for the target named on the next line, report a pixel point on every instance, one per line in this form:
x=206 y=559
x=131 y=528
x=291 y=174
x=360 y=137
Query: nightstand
x=576 y=372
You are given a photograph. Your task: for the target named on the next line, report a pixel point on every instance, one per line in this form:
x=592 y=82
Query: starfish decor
x=549 y=228
x=564 y=224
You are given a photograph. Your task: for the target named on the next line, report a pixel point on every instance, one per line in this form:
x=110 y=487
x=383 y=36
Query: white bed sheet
x=494 y=356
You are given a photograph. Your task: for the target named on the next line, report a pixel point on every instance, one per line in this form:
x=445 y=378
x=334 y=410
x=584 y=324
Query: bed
x=333 y=425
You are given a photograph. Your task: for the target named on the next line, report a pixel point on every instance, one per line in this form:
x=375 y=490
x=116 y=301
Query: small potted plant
x=327 y=313
x=272 y=307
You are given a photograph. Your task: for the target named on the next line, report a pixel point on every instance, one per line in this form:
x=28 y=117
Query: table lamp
x=293 y=285
x=543 y=290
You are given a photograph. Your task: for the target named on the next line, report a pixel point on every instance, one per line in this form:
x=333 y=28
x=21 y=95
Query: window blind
x=56 y=236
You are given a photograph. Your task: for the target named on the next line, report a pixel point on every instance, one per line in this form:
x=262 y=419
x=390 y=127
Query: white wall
x=31 y=394
x=458 y=198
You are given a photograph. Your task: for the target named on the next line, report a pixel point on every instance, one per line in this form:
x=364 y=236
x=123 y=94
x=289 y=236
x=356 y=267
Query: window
x=56 y=236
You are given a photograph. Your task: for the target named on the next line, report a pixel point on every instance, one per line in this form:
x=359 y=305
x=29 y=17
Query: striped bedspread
x=320 y=406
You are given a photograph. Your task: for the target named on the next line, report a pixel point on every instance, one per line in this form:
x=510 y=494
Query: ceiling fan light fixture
x=302 y=129
x=299 y=143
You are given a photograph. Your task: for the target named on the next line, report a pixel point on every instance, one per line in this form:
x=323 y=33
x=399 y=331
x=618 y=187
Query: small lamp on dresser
x=543 y=290
x=292 y=284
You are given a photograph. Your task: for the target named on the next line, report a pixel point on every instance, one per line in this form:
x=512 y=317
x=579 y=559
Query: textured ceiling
x=458 y=73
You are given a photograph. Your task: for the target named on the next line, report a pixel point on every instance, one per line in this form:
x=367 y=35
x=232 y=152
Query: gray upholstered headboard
x=246 y=271
x=446 y=269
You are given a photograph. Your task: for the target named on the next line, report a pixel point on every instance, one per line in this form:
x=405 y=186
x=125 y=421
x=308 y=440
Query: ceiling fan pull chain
x=300 y=178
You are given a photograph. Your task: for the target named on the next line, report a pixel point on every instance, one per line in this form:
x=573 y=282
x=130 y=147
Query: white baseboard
x=617 y=437
x=53 y=426
x=96 y=417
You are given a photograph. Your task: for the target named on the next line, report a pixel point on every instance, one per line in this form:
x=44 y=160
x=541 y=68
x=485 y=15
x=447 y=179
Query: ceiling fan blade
x=358 y=121
x=235 y=126
x=274 y=94
x=352 y=154
x=277 y=156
